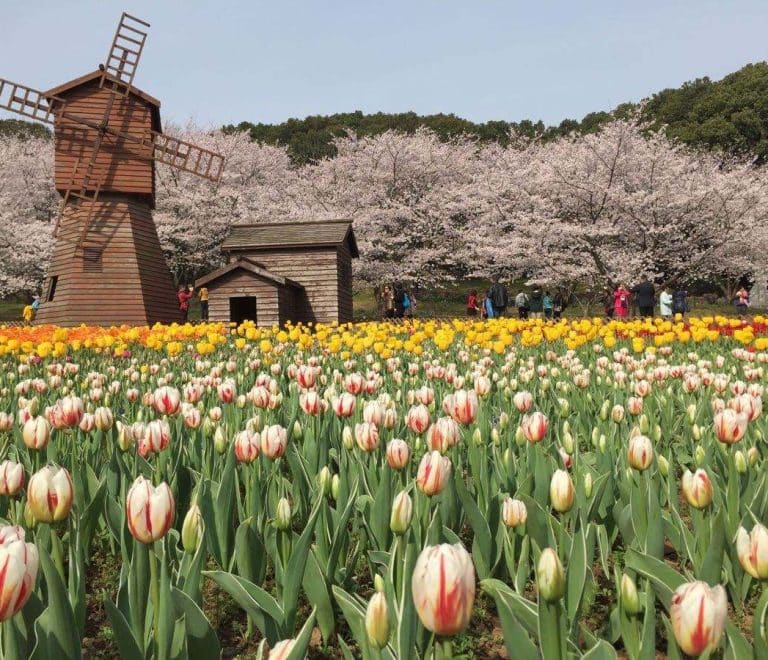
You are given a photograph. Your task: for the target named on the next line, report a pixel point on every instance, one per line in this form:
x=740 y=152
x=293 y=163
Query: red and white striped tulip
x=87 y=423
x=433 y=473
x=523 y=401
x=514 y=512
x=227 y=391
x=36 y=432
x=698 y=614
x=398 y=454
x=418 y=418
x=534 y=426
x=640 y=452
x=166 y=400
x=50 y=494
x=344 y=404
x=274 y=440
x=149 y=510
x=11 y=477
x=367 y=436
x=443 y=588
x=373 y=413
x=18 y=570
x=730 y=426
x=463 y=406
x=752 y=550
x=103 y=418
x=697 y=489
x=310 y=402
x=247 y=446
x=155 y=438
x=6 y=422
x=443 y=434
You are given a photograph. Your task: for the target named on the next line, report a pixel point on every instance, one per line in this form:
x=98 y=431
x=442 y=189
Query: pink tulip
x=149 y=510
x=50 y=494
x=698 y=613
x=443 y=588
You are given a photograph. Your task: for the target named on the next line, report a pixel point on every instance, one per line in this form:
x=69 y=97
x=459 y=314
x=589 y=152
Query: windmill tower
x=107 y=266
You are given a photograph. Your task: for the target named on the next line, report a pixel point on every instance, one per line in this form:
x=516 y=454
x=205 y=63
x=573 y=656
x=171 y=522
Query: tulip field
x=433 y=489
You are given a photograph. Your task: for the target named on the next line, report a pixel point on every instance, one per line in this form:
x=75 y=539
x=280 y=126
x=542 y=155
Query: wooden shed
x=297 y=271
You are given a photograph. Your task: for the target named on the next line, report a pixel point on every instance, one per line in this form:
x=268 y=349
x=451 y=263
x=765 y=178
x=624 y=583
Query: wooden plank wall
x=243 y=283
x=345 y=283
x=130 y=283
x=315 y=268
x=117 y=165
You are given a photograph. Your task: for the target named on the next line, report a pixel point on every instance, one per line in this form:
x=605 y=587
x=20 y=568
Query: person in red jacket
x=472 y=306
x=184 y=296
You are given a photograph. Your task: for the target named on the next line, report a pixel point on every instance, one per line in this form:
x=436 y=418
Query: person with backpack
x=521 y=302
x=498 y=296
x=680 y=302
x=537 y=304
x=547 y=305
x=409 y=304
x=400 y=296
x=557 y=306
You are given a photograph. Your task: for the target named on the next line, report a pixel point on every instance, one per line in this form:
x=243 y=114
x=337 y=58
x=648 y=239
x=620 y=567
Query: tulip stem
x=154 y=593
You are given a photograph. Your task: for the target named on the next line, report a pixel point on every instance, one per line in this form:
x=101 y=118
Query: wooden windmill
x=107 y=266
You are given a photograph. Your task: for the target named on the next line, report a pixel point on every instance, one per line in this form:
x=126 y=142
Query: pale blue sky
x=235 y=60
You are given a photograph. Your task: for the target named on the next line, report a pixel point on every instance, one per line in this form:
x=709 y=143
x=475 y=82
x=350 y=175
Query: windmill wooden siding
x=122 y=239
x=120 y=166
x=316 y=255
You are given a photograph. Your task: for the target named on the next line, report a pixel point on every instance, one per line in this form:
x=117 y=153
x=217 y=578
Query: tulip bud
x=377 y=621
x=630 y=600
x=657 y=432
x=298 y=432
x=644 y=424
x=663 y=465
x=568 y=443
x=753 y=455
x=477 y=437
x=690 y=411
x=347 y=438
x=561 y=491
x=550 y=576
x=192 y=529
x=740 y=461
x=604 y=410
x=698 y=613
x=378 y=583
x=324 y=480
x=588 y=484
x=335 y=486
x=602 y=443
x=495 y=437
x=30 y=522
x=696 y=432
x=443 y=588
x=699 y=455
x=519 y=437
x=402 y=512
x=220 y=441
x=513 y=512
x=283 y=514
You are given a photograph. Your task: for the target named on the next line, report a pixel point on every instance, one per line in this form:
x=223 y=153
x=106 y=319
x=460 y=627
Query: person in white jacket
x=665 y=304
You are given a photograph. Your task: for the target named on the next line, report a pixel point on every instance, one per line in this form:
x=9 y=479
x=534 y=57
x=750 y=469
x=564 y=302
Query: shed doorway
x=242 y=308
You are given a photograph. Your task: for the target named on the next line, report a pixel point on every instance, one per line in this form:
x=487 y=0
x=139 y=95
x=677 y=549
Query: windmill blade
x=125 y=52
x=28 y=102
x=188 y=157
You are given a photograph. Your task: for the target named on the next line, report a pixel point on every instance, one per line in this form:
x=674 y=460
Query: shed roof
x=252 y=267
x=62 y=89
x=291 y=234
